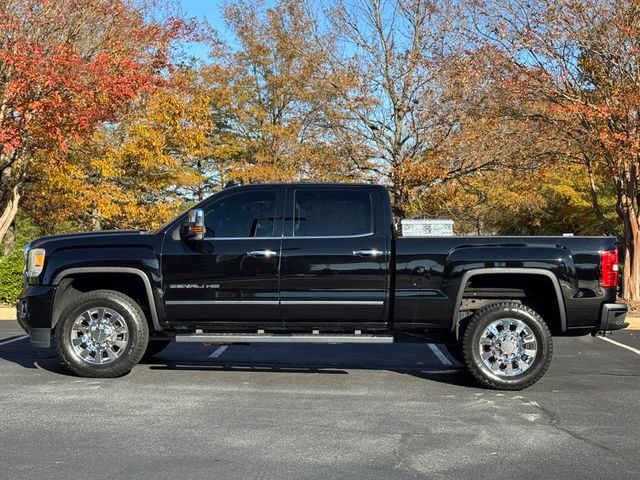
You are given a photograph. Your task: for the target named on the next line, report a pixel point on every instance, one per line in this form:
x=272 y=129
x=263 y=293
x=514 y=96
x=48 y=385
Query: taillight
x=609 y=268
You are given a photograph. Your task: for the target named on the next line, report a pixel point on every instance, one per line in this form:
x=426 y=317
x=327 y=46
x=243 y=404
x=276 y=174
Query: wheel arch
x=537 y=273
x=66 y=278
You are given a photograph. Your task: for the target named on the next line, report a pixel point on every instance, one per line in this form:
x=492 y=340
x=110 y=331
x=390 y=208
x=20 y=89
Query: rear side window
x=250 y=214
x=332 y=213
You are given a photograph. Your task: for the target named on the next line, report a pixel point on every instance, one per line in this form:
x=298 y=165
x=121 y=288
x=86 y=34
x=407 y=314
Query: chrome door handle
x=367 y=252
x=262 y=253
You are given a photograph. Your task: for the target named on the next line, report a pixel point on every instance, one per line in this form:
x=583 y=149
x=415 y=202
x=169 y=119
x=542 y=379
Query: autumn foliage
x=136 y=172
x=580 y=62
x=67 y=66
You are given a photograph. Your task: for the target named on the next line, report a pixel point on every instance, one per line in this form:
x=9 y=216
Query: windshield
x=167 y=224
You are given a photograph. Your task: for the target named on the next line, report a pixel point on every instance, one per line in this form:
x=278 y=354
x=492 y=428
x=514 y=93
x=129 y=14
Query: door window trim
x=212 y=239
x=320 y=237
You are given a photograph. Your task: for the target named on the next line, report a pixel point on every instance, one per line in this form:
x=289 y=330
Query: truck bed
x=432 y=272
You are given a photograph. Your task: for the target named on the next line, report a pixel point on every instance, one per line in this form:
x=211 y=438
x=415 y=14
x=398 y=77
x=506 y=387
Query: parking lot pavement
x=318 y=412
x=630 y=338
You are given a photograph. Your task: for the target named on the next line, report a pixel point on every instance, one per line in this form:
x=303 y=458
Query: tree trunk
x=96 y=222
x=631 y=274
x=9 y=205
x=399 y=197
x=9 y=241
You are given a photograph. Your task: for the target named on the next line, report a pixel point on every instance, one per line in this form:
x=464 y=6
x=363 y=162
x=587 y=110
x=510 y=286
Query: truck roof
x=303 y=184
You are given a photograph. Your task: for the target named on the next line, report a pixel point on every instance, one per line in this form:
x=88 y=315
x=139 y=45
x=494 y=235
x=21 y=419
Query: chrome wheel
x=99 y=335
x=508 y=347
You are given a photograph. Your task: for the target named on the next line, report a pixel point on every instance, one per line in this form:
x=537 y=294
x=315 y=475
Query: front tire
x=507 y=346
x=102 y=334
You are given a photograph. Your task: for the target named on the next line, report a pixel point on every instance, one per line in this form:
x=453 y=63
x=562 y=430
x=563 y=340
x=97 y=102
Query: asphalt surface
x=318 y=412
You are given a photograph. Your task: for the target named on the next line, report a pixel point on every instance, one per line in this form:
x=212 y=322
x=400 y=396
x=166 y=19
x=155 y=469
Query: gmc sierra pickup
x=315 y=263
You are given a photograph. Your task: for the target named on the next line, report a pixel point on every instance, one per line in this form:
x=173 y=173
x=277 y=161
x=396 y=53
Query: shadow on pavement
x=334 y=360
x=452 y=375
x=22 y=353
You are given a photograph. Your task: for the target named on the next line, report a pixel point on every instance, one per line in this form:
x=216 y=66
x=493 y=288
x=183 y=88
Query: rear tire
x=507 y=346
x=102 y=334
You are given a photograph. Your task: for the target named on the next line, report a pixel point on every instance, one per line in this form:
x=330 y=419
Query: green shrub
x=11 y=266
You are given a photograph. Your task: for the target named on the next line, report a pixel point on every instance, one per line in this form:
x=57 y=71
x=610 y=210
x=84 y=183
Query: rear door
x=335 y=257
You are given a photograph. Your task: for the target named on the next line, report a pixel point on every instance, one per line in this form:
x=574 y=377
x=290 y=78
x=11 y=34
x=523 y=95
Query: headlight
x=35 y=262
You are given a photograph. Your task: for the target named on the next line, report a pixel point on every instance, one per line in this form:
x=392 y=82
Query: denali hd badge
x=194 y=285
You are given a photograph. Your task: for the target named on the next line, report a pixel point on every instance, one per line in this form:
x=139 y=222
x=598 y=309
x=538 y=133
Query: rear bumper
x=612 y=317
x=34 y=313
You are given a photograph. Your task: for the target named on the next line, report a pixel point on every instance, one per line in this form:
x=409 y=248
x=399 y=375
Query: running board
x=272 y=338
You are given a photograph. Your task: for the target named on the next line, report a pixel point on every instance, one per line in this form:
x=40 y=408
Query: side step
x=225 y=338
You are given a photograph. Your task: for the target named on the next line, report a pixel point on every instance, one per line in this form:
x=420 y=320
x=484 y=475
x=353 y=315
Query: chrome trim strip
x=332 y=302
x=370 y=234
x=222 y=302
x=320 y=237
x=210 y=239
x=273 y=302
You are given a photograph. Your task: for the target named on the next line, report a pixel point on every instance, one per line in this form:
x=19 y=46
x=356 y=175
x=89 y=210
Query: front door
x=232 y=275
x=335 y=258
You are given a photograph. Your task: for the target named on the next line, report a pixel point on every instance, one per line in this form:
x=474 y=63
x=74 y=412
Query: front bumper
x=612 y=317
x=34 y=313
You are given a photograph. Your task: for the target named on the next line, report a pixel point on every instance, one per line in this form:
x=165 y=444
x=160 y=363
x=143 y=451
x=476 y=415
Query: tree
x=393 y=70
x=65 y=67
x=551 y=200
x=139 y=172
x=581 y=59
x=274 y=72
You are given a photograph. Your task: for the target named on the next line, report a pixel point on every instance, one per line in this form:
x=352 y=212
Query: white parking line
x=15 y=340
x=438 y=353
x=634 y=350
x=218 y=351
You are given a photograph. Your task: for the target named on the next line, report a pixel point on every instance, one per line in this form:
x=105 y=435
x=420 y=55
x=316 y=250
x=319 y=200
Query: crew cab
x=315 y=263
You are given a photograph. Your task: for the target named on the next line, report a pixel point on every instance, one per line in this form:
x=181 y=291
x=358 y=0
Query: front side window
x=332 y=213
x=248 y=214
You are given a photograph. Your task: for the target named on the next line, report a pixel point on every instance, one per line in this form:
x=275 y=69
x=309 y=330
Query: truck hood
x=102 y=237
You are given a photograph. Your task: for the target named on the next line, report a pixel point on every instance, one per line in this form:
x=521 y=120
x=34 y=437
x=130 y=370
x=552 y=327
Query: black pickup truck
x=315 y=263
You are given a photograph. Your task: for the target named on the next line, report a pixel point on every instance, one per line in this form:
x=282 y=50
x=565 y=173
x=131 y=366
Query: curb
x=634 y=323
x=7 y=313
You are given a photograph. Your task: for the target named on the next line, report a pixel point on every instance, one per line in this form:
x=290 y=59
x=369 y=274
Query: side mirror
x=194 y=228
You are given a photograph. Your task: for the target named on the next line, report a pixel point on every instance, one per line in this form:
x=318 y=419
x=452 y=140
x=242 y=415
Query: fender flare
x=127 y=270
x=519 y=271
